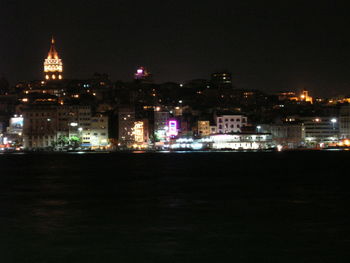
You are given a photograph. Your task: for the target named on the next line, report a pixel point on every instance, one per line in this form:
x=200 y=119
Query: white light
x=197 y=146
x=334 y=120
x=74 y=124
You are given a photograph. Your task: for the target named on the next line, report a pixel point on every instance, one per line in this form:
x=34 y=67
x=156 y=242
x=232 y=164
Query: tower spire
x=53 y=66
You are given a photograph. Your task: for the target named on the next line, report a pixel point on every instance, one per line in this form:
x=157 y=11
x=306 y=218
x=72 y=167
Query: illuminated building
x=97 y=134
x=160 y=125
x=126 y=122
x=172 y=128
x=344 y=122
x=221 y=79
x=143 y=75
x=251 y=141
x=39 y=127
x=43 y=125
x=230 y=123
x=14 y=132
x=141 y=135
x=290 y=134
x=320 y=129
x=73 y=121
x=305 y=97
x=241 y=141
x=16 y=125
x=286 y=95
x=203 y=128
x=53 y=66
x=138 y=132
x=291 y=96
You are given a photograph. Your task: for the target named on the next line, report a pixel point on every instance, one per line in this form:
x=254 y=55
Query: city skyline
x=271 y=48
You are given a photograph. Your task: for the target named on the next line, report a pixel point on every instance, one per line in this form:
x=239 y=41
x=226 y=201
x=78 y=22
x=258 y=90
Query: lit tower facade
x=143 y=75
x=53 y=66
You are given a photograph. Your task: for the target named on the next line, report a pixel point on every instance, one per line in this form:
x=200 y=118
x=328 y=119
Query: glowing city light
x=53 y=64
x=172 y=128
x=138 y=132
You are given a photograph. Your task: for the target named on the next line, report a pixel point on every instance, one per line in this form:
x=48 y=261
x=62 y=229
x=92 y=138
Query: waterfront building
x=141 y=134
x=97 y=136
x=230 y=123
x=203 y=128
x=73 y=120
x=344 y=122
x=243 y=141
x=288 y=134
x=126 y=122
x=239 y=141
x=160 y=125
x=321 y=129
x=40 y=127
x=56 y=126
x=53 y=66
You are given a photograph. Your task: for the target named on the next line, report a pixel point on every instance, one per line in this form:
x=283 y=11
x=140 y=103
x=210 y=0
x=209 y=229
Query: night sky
x=267 y=46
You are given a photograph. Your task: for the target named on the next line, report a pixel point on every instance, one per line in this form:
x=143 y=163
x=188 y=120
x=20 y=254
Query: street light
x=258 y=128
x=334 y=121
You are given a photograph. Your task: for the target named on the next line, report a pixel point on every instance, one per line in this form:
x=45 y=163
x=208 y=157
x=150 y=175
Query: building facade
x=321 y=129
x=203 y=128
x=289 y=135
x=97 y=135
x=40 y=125
x=230 y=123
x=61 y=127
x=126 y=122
x=344 y=122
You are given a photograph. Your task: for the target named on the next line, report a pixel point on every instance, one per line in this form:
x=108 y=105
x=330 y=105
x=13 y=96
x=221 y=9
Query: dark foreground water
x=190 y=207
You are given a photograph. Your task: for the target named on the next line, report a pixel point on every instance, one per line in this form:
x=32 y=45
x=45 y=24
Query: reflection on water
x=191 y=207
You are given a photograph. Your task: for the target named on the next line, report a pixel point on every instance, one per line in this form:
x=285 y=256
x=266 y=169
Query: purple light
x=172 y=131
x=140 y=73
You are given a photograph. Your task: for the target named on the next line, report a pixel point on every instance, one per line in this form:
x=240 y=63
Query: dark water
x=190 y=207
